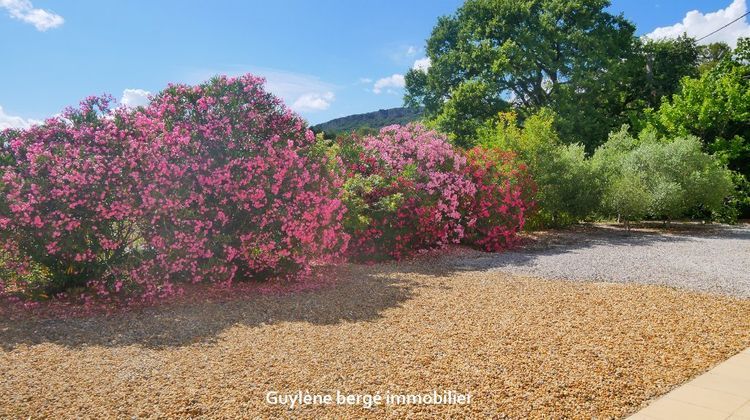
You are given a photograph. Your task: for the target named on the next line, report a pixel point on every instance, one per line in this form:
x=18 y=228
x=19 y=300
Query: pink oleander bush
x=217 y=182
x=405 y=190
x=408 y=189
x=504 y=198
x=68 y=201
x=237 y=188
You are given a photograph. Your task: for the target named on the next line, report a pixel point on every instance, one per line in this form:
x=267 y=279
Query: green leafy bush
x=716 y=108
x=568 y=187
x=627 y=196
x=660 y=178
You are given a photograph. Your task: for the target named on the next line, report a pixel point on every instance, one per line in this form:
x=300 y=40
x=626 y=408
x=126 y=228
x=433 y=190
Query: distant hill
x=371 y=120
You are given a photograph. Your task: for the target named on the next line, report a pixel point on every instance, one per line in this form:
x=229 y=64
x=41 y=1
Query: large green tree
x=661 y=65
x=530 y=54
x=623 y=92
x=710 y=55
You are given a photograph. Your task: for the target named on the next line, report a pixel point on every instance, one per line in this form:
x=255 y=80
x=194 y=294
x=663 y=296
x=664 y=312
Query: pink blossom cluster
x=410 y=189
x=233 y=191
x=497 y=212
x=427 y=171
x=207 y=183
x=69 y=209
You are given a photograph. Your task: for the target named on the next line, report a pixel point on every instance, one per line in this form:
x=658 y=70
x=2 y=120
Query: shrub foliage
x=408 y=189
x=207 y=183
x=221 y=182
x=660 y=178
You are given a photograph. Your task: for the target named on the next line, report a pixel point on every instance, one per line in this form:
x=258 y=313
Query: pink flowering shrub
x=221 y=182
x=217 y=182
x=236 y=188
x=503 y=200
x=404 y=191
x=408 y=189
x=68 y=203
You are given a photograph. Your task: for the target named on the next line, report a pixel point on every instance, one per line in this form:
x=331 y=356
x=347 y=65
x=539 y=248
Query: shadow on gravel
x=567 y=242
x=361 y=295
x=571 y=240
x=544 y=244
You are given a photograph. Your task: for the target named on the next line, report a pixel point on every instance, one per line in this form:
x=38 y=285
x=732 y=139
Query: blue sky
x=325 y=58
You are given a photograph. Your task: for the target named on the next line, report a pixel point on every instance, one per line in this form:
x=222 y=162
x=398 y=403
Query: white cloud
x=422 y=64
x=12 y=121
x=314 y=101
x=401 y=54
x=394 y=81
x=365 y=80
x=135 y=97
x=290 y=85
x=306 y=93
x=697 y=25
x=24 y=11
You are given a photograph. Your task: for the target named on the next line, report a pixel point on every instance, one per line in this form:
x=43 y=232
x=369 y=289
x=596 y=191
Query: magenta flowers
x=408 y=189
x=207 y=183
x=69 y=208
x=504 y=198
x=404 y=191
x=234 y=188
x=221 y=182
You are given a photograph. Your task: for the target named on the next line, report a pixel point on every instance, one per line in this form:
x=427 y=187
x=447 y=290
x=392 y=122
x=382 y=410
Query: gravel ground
x=712 y=258
x=522 y=347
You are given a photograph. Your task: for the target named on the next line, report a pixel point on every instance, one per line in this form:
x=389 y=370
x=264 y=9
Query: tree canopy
x=492 y=54
x=715 y=107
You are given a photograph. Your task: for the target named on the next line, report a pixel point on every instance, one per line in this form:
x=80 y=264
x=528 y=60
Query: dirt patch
x=522 y=347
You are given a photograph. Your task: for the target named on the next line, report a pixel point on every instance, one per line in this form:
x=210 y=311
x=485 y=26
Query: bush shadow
x=564 y=241
x=361 y=294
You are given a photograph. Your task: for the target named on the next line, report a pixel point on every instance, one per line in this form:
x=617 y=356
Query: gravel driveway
x=523 y=347
x=713 y=258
